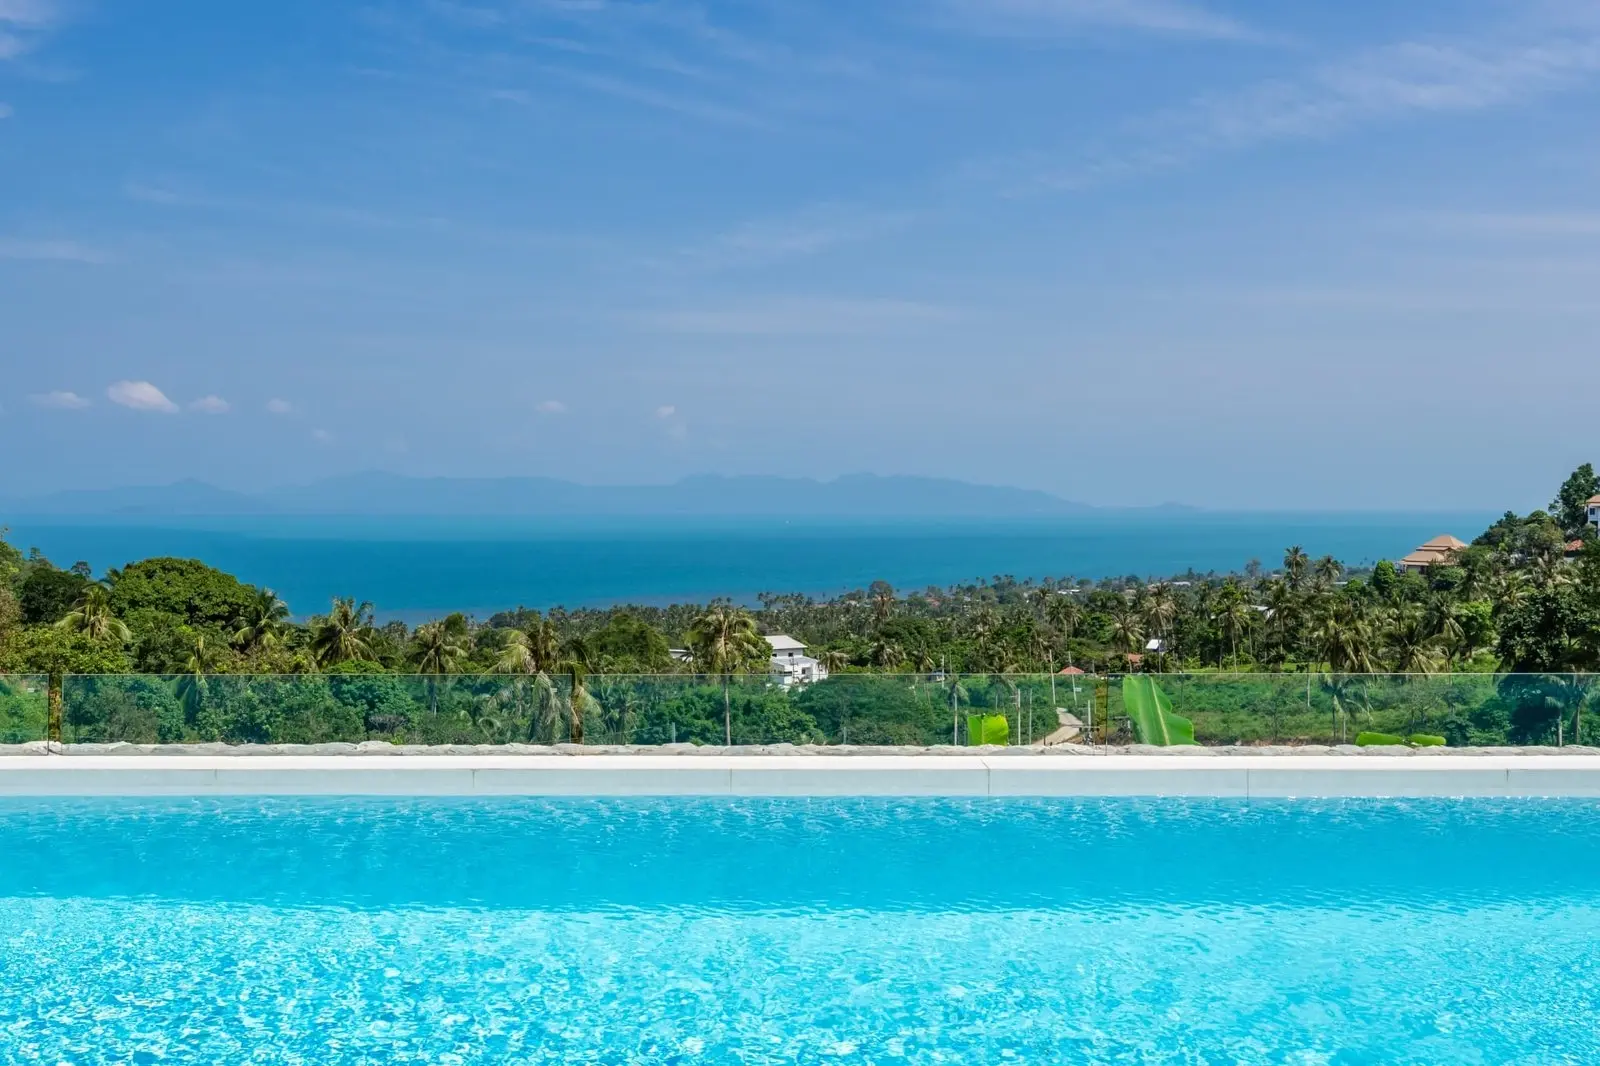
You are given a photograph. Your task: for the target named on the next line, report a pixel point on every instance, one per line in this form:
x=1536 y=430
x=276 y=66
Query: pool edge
x=1241 y=777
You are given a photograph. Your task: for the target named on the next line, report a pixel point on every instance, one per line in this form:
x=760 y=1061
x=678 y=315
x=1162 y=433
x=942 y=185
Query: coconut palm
x=344 y=634
x=724 y=640
x=1346 y=641
x=834 y=659
x=1295 y=564
x=261 y=622
x=192 y=688
x=882 y=595
x=1127 y=626
x=92 y=616
x=886 y=654
x=1409 y=644
x=577 y=660
x=1327 y=571
x=436 y=648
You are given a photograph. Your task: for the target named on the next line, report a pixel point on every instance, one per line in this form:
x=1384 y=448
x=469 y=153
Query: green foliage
x=988 y=730
x=51 y=650
x=200 y=596
x=1570 y=508
x=1150 y=713
x=47 y=594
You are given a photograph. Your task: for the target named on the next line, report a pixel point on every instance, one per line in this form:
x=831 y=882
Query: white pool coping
x=1239 y=777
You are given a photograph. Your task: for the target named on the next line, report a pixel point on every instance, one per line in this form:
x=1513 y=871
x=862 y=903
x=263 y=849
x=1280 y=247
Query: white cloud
x=21 y=23
x=211 y=405
x=140 y=396
x=322 y=436
x=6 y=111
x=279 y=407
x=1403 y=80
x=814 y=230
x=49 y=251
x=1032 y=17
x=666 y=410
x=802 y=317
x=552 y=407
x=60 y=400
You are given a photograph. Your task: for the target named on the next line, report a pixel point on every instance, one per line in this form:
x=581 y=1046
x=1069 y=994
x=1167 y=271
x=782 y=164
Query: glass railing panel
x=24 y=708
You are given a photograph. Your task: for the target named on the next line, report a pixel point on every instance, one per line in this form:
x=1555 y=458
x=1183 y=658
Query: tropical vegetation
x=1500 y=636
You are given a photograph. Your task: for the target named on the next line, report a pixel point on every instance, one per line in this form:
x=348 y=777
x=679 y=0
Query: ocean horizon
x=417 y=567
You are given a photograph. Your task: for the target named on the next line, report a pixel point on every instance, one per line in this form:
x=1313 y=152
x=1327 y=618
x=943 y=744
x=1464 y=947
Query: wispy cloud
x=1033 y=17
x=278 y=407
x=552 y=407
x=210 y=405
x=140 y=396
x=810 y=231
x=50 y=251
x=1406 y=80
x=1533 y=225
x=321 y=436
x=801 y=317
x=23 y=23
x=666 y=410
x=60 y=401
x=6 y=111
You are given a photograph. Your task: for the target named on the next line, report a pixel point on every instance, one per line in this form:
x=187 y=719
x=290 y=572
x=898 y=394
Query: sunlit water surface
x=801 y=931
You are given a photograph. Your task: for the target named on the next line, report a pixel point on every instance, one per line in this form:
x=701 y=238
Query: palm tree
x=834 y=659
x=436 y=648
x=532 y=656
x=261 y=622
x=882 y=594
x=1127 y=630
x=1160 y=609
x=1283 y=618
x=1295 y=563
x=344 y=634
x=1234 y=615
x=1412 y=648
x=886 y=654
x=191 y=690
x=578 y=660
x=1345 y=640
x=93 y=618
x=724 y=640
x=1328 y=570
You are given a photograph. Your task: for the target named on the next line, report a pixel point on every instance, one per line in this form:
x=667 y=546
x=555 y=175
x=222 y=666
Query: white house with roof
x=1594 y=510
x=790 y=663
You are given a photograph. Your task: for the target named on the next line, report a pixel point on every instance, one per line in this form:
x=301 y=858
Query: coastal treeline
x=1523 y=598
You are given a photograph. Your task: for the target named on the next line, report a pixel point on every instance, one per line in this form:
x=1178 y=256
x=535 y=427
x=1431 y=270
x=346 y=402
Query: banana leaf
x=1151 y=714
x=988 y=729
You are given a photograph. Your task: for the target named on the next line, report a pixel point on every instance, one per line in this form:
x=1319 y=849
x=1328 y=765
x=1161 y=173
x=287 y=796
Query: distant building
x=791 y=665
x=1071 y=671
x=1594 y=510
x=682 y=655
x=1440 y=551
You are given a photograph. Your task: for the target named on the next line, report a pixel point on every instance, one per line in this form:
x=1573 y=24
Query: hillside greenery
x=1296 y=651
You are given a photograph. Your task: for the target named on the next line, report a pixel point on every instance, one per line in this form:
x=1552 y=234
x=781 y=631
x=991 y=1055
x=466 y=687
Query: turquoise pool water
x=805 y=931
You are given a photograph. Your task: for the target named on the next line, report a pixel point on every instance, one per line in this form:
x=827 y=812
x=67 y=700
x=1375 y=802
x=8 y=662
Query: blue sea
x=803 y=931
x=417 y=567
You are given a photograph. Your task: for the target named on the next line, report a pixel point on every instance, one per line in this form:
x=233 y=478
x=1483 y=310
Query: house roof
x=1594 y=501
x=1574 y=546
x=1444 y=543
x=1072 y=671
x=780 y=642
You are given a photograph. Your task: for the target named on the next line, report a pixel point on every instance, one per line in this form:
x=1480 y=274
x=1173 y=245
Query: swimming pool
x=798 y=931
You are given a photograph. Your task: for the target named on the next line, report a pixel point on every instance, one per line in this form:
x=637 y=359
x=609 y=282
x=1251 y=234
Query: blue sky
x=1231 y=253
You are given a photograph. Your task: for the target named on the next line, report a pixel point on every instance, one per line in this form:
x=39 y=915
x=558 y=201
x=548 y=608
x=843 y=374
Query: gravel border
x=381 y=749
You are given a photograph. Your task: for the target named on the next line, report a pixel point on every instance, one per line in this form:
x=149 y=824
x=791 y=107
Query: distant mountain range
x=857 y=495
